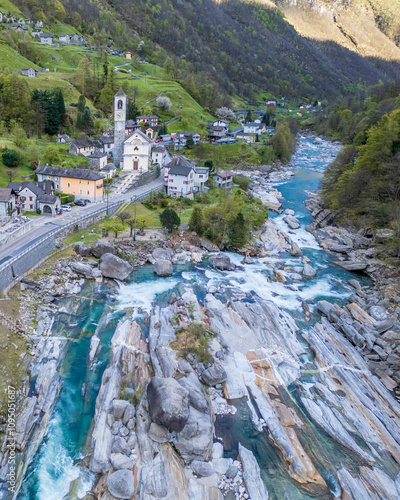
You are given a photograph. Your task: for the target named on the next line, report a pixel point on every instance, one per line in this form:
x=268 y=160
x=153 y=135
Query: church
x=132 y=153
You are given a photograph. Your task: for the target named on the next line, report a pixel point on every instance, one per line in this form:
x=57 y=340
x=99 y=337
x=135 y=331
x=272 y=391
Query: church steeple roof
x=120 y=93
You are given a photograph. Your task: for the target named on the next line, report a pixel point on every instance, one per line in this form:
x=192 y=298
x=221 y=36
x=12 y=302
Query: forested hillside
x=231 y=47
x=363 y=184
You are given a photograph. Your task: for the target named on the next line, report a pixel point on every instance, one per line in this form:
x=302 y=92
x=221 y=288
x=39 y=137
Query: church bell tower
x=119 y=125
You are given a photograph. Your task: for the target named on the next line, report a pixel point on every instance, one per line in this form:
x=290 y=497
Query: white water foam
x=300 y=236
x=141 y=295
x=56 y=469
x=287 y=296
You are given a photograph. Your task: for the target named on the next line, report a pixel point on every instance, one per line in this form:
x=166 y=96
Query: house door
x=135 y=165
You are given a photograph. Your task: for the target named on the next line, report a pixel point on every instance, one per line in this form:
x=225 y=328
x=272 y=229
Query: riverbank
x=240 y=364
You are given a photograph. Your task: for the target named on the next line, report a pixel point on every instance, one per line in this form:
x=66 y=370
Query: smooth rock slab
x=168 y=403
x=251 y=475
x=121 y=484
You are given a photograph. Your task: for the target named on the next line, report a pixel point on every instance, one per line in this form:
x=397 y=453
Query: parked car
x=87 y=201
x=80 y=203
x=66 y=208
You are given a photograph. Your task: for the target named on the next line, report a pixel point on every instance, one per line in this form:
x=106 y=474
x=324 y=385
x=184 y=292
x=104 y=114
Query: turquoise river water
x=99 y=307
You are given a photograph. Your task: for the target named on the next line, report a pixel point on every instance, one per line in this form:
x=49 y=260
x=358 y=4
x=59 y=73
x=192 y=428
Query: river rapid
x=62 y=454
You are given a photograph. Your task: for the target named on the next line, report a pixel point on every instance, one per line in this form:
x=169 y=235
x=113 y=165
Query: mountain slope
x=301 y=49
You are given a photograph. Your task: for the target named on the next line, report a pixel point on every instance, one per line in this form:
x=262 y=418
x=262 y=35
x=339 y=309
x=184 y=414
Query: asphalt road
x=43 y=225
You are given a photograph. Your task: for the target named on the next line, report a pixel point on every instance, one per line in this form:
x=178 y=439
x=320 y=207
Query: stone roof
x=72 y=173
x=225 y=175
x=48 y=198
x=120 y=93
x=5 y=194
x=181 y=161
x=97 y=154
x=180 y=170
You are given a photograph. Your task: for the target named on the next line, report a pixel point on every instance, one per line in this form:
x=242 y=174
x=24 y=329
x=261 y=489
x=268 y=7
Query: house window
x=69 y=185
x=88 y=192
x=57 y=186
x=30 y=198
x=80 y=191
x=87 y=182
x=80 y=181
x=31 y=207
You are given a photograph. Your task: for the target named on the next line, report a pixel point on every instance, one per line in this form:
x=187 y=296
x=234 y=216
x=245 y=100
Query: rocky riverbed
x=270 y=340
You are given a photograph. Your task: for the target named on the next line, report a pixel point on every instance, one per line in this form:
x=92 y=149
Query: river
x=58 y=460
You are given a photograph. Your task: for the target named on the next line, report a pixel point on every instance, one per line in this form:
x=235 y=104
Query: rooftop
x=5 y=194
x=72 y=173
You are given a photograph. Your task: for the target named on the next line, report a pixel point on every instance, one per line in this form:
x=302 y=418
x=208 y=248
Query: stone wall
x=16 y=267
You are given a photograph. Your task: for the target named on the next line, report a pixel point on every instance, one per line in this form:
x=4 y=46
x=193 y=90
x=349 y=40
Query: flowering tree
x=225 y=113
x=164 y=103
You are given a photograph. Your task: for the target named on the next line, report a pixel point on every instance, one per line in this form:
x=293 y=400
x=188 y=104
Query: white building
x=29 y=72
x=65 y=38
x=179 y=176
x=137 y=153
x=201 y=175
x=160 y=155
x=46 y=38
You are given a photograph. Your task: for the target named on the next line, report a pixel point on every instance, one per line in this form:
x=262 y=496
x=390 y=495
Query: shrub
x=11 y=158
x=195 y=340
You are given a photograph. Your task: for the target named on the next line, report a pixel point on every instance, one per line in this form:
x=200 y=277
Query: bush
x=195 y=340
x=242 y=181
x=164 y=203
x=11 y=158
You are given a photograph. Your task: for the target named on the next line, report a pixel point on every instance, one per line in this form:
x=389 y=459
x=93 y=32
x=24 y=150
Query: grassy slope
x=6 y=6
x=10 y=58
x=226 y=156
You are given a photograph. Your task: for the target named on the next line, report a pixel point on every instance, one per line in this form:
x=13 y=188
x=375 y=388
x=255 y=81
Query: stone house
x=46 y=38
x=86 y=147
x=151 y=121
x=160 y=155
x=131 y=126
x=97 y=160
x=82 y=183
x=37 y=32
x=31 y=196
x=224 y=180
x=108 y=171
x=38 y=24
x=217 y=133
x=7 y=202
x=32 y=73
x=64 y=38
x=63 y=138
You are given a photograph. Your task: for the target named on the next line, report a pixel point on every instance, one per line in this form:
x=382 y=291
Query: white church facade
x=137 y=153
x=132 y=154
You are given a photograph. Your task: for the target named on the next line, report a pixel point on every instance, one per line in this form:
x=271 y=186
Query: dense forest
x=363 y=184
x=220 y=49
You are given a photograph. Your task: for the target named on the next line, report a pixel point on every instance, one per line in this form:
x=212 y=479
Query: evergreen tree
x=131 y=110
x=81 y=103
x=87 y=121
x=238 y=232
x=196 y=220
x=10 y=158
x=163 y=129
x=190 y=142
x=169 y=219
x=248 y=116
x=210 y=165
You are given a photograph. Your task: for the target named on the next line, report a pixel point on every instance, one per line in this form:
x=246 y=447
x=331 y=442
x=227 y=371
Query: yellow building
x=82 y=183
